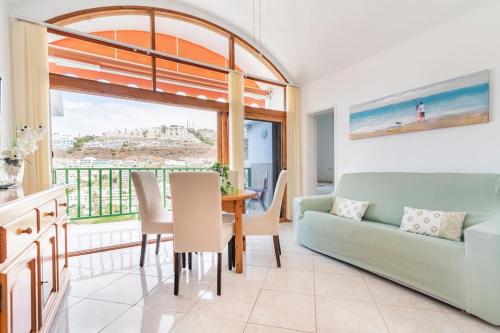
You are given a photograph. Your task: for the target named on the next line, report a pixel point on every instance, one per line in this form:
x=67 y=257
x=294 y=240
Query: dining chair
x=154 y=218
x=267 y=222
x=197 y=216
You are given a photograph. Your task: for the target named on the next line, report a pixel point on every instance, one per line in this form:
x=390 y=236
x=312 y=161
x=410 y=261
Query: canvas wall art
x=456 y=102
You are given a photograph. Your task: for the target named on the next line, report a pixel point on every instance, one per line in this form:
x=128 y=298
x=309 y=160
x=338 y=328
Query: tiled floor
x=310 y=293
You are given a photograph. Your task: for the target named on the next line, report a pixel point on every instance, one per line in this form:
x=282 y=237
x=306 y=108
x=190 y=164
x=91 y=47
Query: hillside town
x=161 y=146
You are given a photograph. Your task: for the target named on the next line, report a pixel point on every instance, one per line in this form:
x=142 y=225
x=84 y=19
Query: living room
x=249 y=166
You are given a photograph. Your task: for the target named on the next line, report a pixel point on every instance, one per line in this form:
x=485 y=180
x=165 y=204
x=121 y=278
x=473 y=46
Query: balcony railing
x=108 y=192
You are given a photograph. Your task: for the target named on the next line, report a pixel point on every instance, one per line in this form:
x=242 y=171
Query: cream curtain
x=236 y=126
x=293 y=143
x=31 y=97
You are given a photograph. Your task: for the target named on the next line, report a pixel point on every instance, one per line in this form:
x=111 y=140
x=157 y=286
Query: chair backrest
x=275 y=206
x=233 y=178
x=196 y=211
x=148 y=196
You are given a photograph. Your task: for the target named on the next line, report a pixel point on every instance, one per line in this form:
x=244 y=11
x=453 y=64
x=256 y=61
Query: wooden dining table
x=235 y=203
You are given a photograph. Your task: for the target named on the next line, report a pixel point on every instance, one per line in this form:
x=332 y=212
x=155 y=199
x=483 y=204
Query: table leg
x=238 y=220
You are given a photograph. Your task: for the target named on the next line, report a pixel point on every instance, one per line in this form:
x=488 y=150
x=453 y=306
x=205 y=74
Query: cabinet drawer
x=46 y=214
x=17 y=235
x=62 y=205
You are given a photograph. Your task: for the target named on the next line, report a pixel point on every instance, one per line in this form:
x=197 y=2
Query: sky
x=93 y=115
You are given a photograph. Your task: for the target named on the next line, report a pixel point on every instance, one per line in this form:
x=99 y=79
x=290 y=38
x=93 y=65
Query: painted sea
x=456 y=102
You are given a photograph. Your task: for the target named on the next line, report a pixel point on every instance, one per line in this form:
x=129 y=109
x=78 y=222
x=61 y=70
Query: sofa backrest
x=478 y=195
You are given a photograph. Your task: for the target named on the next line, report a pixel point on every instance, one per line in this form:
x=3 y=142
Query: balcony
x=102 y=203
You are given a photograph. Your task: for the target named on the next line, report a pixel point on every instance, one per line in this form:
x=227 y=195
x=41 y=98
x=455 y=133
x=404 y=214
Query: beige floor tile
x=84 y=282
x=303 y=262
x=342 y=286
x=141 y=320
x=343 y=315
x=294 y=247
x=128 y=290
x=388 y=292
x=325 y=264
x=290 y=280
x=234 y=303
x=469 y=323
x=253 y=328
x=252 y=277
x=285 y=310
x=406 y=320
x=258 y=258
x=87 y=316
x=201 y=323
x=163 y=298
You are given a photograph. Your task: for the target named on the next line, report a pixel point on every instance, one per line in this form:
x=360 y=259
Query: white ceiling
x=306 y=38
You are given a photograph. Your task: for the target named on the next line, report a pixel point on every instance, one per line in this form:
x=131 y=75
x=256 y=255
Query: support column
x=236 y=126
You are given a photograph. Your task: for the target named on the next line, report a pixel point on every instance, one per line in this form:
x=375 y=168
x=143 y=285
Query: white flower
x=26 y=143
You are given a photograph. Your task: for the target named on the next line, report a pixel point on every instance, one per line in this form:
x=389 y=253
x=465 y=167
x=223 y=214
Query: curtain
x=31 y=97
x=236 y=126
x=293 y=143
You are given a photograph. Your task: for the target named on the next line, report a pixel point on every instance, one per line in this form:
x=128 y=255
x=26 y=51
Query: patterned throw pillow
x=350 y=209
x=447 y=225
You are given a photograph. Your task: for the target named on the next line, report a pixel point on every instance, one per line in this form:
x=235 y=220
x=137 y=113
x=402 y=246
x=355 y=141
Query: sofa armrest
x=482 y=255
x=320 y=203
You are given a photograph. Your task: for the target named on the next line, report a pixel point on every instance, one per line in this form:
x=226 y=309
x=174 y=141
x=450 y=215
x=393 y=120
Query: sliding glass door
x=263 y=152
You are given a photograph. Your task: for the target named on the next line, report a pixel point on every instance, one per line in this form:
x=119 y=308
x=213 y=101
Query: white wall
x=5 y=107
x=457 y=47
x=324 y=147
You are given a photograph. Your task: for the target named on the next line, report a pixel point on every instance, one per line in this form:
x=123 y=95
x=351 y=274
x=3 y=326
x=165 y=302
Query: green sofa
x=465 y=274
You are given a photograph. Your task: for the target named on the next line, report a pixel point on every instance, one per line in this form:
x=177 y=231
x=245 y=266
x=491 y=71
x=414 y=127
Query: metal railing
x=107 y=192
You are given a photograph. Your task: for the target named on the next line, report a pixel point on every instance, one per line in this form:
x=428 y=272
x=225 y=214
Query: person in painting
x=420 y=109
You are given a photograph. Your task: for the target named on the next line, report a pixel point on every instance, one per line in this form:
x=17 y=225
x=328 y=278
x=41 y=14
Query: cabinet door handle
x=25 y=231
x=45 y=214
x=64 y=204
x=44 y=282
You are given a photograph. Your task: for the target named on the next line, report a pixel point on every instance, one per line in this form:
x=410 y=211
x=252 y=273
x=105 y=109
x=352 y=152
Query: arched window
x=197 y=55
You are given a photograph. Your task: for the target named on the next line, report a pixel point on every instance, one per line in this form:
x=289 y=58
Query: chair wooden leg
x=158 y=238
x=183 y=259
x=230 y=254
x=276 y=241
x=219 y=272
x=143 y=249
x=279 y=244
x=190 y=260
x=234 y=252
x=177 y=269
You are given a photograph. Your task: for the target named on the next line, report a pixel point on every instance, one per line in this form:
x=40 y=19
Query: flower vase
x=11 y=172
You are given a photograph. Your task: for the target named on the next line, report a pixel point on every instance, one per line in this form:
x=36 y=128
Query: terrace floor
x=311 y=293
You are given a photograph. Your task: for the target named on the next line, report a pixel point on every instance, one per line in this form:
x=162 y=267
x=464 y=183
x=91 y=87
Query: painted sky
x=93 y=115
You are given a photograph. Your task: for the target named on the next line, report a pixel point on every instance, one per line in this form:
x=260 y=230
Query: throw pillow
x=447 y=225
x=350 y=209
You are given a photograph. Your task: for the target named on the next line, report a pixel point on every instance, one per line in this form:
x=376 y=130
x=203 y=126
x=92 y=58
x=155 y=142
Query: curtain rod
x=147 y=51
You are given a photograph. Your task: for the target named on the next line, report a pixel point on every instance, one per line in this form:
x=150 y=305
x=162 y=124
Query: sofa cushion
x=447 y=225
x=388 y=193
x=351 y=209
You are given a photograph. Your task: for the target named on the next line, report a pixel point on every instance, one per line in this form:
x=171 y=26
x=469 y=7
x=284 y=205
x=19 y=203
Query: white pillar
x=293 y=151
x=236 y=126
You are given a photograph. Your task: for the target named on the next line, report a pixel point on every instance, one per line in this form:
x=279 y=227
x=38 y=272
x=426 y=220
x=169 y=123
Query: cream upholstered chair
x=154 y=218
x=197 y=215
x=267 y=223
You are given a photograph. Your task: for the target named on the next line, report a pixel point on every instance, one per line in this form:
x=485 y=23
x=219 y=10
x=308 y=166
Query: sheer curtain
x=236 y=126
x=293 y=143
x=30 y=76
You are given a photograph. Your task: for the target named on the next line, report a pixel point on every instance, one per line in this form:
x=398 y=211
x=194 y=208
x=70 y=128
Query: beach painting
x=457 y=102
